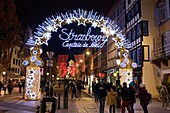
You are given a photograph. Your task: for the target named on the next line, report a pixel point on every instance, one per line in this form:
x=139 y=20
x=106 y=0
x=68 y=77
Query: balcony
x=161 y=54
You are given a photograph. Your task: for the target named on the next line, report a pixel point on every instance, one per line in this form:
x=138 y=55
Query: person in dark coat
x=10 y=86
x=132 y=97
x=144 y=100
x=125 y=94
x=74 y=90
x=102 y=96
x=1 y=86
x=20 y=86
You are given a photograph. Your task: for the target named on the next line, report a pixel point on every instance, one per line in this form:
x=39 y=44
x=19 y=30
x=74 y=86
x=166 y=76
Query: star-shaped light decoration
x=94 y=24
x=58 y=23
x=44 y=40
x=101 y=22
x=81 y=21
x=68 y=21
x=33 y=95
x=103 y=30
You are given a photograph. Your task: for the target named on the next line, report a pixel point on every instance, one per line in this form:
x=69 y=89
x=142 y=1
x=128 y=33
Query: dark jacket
x=125 y=93
x=132 y=94
x=144 y=100
x=102 y=93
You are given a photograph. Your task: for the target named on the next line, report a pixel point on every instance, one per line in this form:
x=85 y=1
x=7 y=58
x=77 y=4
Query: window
x=133 y=33
x=132 y=13
x=134 y=55
x=138 y=30
x=128 y=17
x=146 y=52
x=145 y=28
x=162 y=12
x=13 y=60
x=139 y=56
x=129 y=1
x=129 y=36
x=136 y=8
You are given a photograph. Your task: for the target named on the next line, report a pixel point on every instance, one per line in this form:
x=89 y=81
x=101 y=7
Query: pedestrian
x=79 y=87
x=132 y=97
x=96 y=92
x=20 y=86
x=102 y=96
x=1 y=86
x=93 y=87
x=4 y=88
x=74 y=90
x=165 y=97
x=111 y=98
x=125 y=94
x=144 y=100
x=10 y=86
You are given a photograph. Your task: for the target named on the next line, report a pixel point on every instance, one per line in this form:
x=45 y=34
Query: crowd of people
x=108 y=92
x=7 y=87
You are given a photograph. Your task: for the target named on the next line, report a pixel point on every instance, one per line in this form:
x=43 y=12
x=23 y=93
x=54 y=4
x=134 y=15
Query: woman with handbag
x=111 y=98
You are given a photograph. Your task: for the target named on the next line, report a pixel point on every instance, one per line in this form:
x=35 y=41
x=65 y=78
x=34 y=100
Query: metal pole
x=118 y=98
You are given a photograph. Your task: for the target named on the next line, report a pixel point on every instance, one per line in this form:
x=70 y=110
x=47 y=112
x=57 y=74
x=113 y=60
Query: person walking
x=20 y=86
x=111 y=98
x=74 y=90
x=4 y=88
x=102 y=97
x=125 y=94
x=10 y=86
x=165 y=97
x=132 y=97
x=96 y=92
x=144 y=100
x=1 y=86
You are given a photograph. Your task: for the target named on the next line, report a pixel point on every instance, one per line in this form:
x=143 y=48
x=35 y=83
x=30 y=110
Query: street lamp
x=118 y=98
x=4 y=74
x=50 y=64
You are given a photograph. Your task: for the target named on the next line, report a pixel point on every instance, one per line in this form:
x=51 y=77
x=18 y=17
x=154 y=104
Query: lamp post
x=87 y=53
x=50 y=64
x=4 y=75
x=118 y=98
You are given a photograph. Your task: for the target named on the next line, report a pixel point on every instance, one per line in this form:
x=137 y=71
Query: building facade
x=117 y=13
x=141 y=31
x=161 y=50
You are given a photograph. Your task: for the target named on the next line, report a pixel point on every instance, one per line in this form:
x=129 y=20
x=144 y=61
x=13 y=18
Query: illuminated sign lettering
x=71 y=39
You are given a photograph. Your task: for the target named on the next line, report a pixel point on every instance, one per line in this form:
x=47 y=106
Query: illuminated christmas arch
x=81 y=17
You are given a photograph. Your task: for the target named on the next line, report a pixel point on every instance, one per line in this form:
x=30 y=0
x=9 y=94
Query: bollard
x=59 y=96
x=38 y=109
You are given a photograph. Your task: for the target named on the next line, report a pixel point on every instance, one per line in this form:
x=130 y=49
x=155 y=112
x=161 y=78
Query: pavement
x=83 y=104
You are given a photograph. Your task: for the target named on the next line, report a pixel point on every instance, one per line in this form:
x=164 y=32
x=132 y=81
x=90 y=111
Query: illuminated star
x=68 y=21
x=101 y=22
x=118 y=40
x=43 y=40
x=103 y=29
x=81 y=20
x=58 y=23
x=94 y=24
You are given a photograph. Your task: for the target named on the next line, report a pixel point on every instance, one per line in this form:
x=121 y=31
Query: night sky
x=33 y=12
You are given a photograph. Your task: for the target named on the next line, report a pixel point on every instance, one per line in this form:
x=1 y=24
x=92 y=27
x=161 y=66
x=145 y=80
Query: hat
x=142 y=85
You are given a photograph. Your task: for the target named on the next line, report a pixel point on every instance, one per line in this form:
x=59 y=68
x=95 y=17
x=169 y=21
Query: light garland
x=81 y=17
